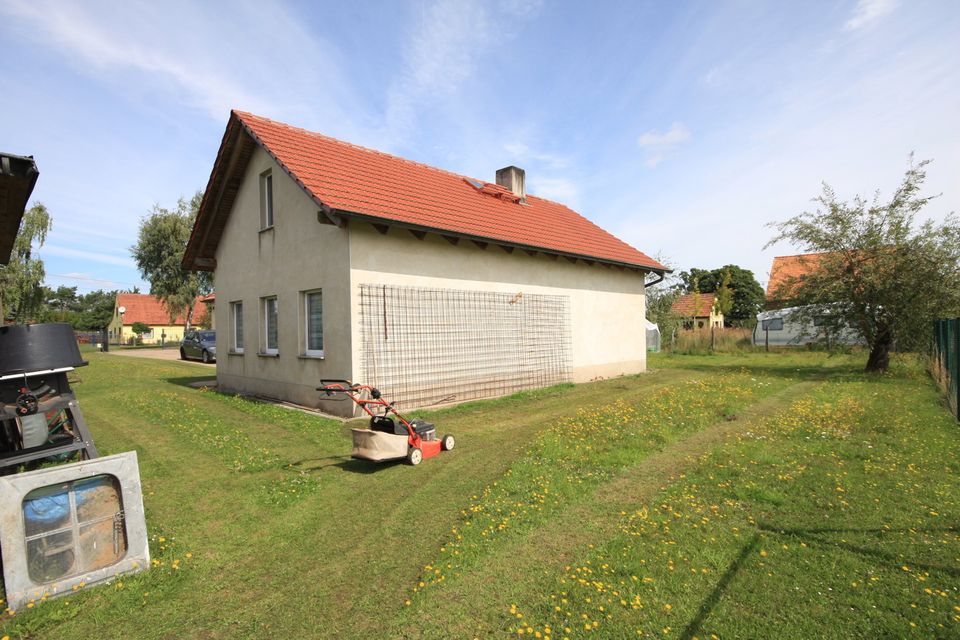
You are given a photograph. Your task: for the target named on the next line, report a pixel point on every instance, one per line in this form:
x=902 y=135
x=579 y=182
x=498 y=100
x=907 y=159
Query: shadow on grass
x=711 y=600
x=188 y=381
x=354 y=465
x=803 y=372
x=810 y=535
x=345 y=463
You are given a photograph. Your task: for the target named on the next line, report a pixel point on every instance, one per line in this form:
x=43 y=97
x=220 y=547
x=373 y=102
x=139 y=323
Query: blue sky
x=681 y=127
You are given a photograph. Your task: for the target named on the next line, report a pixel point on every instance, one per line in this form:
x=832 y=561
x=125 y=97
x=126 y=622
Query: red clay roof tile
x=354 y=179
x=145 y=308
x=688 y=306
x=787 y=269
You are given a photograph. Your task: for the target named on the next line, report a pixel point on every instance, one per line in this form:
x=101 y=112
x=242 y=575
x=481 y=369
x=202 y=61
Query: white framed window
x=266 y=200
x=236 y=326
x=269 y=334
x=311 y=303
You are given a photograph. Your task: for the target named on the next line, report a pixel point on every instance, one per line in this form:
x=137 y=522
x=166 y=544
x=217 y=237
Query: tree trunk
x=879 y=360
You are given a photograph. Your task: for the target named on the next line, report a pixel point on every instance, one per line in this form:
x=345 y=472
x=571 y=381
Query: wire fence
x=946 y=359
x=423 y=346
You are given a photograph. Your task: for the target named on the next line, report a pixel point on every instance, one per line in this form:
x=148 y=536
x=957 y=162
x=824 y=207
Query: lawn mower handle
x=338 y=386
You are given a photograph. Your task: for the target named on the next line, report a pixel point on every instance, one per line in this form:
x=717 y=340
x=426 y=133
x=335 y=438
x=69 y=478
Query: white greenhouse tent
x=653 y=336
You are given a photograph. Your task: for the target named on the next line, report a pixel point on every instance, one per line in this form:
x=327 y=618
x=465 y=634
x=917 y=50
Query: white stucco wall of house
x=607 y=305
x=298 y=254
x=301 y=252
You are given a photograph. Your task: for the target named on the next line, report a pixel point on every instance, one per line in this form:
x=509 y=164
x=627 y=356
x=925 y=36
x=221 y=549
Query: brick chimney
x=513 y=178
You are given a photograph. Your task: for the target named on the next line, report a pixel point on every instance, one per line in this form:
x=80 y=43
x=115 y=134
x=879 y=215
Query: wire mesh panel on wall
x=423 y=346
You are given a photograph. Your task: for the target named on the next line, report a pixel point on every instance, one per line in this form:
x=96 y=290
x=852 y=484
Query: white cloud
x=676 y=134
x=869 y=12
x=853 y=130
x=716 y=76
x=659 y=145
x=87 y=281
x=93 y=256
x=558 y=189
x=442 y=52
x=440 y=55
x=523 y=153
x=200 y=55
x=521 y=8
x=87 y=232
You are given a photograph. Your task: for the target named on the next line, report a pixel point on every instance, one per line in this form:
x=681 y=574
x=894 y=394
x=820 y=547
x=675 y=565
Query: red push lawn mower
x=385 y=439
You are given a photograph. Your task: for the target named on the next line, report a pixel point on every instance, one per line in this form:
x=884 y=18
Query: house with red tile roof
x=130 y=308
x=699 y=310
x=784 y=324
x=334 y=261
x=786 y=271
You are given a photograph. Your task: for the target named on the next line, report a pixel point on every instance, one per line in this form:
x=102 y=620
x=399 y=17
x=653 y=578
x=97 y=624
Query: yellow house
x=700 y=309
x=138 y=307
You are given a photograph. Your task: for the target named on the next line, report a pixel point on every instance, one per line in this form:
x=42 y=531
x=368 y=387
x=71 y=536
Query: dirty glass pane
x=270 y=311
x=51 y=557
x=97 y=497
x=46 y=509
x=74 y=527
x=314 y=321
x=102 y=544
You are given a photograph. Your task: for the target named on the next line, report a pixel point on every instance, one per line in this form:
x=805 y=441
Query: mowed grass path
x=762 y=495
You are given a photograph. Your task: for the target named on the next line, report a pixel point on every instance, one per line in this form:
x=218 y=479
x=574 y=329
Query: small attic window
x=474 y=183
x=266 y=200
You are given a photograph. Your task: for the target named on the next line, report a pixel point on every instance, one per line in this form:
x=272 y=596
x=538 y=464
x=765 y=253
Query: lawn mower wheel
x=414 y=456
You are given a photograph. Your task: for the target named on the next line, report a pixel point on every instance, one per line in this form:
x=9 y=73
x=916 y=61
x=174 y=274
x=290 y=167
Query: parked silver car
x=201 y=345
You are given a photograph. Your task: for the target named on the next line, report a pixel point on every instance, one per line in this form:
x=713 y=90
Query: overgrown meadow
x=748 y=495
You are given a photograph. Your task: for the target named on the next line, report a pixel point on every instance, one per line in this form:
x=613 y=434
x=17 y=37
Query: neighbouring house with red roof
x=334 y=261
x=785 y=272
x=139 y=307
x=699 y=310
x=782 y=323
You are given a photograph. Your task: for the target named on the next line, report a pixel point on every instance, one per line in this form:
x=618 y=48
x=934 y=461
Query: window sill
x=310 y=356
x=268 y=355
x=265 y=229
x=234 y=353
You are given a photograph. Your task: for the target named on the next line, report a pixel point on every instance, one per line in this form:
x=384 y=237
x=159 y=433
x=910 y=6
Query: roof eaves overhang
x=18 y=176
x=646 y=268
x=222 y=187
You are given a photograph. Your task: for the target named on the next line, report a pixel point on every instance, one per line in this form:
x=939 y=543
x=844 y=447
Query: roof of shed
x=355 y=182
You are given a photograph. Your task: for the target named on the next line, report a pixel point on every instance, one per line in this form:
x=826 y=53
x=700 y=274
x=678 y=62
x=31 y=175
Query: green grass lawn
x=780 y=495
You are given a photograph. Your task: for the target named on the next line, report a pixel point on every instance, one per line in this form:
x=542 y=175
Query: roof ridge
x=360 y=147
